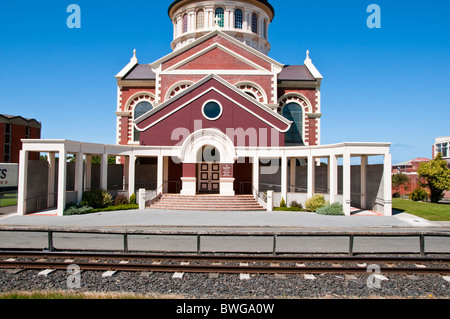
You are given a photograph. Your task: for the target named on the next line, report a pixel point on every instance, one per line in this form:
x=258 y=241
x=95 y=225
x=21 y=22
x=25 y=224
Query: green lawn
x=8 y=200
x=432 y=212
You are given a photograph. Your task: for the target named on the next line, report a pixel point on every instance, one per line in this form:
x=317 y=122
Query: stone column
x=284 y=186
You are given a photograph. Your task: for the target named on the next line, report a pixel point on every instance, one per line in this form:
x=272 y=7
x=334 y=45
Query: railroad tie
x=46 y=272
x=108 y=273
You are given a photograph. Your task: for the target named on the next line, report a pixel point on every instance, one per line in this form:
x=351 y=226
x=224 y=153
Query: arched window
x=264 y=30
x=200 y=19
x=185 y=23
x=219 y=17
x=140 y=109
x=254 y=23
x=238 y=19
x=294 y=112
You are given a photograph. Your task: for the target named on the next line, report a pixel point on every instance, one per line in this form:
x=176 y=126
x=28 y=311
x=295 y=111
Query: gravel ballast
x=201 y=286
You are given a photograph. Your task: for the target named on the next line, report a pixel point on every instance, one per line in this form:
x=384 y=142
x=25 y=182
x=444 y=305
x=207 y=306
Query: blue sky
x=380 y=85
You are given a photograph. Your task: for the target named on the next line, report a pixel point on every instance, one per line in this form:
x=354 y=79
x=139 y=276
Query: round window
x=212 y=110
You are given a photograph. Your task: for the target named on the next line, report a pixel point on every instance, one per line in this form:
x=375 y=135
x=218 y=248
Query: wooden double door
x=208 y=178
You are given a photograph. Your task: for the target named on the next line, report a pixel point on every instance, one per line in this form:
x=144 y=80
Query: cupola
x=245 y=20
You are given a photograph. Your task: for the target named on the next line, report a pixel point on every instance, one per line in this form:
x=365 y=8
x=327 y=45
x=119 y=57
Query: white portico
x=265 y=162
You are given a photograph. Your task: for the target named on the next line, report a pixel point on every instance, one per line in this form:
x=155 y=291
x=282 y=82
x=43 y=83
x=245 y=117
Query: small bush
x=77 y=210
x=333 y=209
x=120 y=200
x=295 y=204
x=419 y=194
x=282 y=203
x=96 y=199
x=314 y=203
x=133 y=199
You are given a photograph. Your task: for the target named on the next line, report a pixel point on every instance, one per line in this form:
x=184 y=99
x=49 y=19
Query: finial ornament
x=307 y=54
x=216 y=21
x=134 y=53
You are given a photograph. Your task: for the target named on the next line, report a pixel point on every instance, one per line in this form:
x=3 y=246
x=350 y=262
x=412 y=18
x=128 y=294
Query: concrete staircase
x=207 y=202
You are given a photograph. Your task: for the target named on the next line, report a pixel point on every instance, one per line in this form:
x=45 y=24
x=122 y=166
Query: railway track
x=230 y=264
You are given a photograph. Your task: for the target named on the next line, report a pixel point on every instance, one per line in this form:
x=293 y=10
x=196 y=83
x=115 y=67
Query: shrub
x=333 y=209
x=282 y=203
x=419 y=194
x=133 y=199
x=120 y=200
x=77 y=210
x=315 y=202
x=296 y=205
x=96 y=199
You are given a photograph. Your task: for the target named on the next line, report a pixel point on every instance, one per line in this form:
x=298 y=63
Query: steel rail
x=27 y=265
x=241 y=258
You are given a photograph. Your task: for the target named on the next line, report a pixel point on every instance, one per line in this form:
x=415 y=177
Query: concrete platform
x=169 y=219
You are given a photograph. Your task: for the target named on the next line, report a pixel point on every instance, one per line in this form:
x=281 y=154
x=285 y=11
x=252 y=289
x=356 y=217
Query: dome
x=245 y=20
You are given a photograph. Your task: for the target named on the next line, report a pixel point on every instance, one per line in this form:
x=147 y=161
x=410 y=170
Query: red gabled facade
x=270 y=83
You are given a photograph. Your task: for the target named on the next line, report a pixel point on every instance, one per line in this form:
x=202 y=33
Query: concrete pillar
x=311 y=176
x=79 y=176
x=62 y=180
x=23 y=183
x=255 y=176
x=131 y=174
x=346 y=178
x=166 y=174
x=160 y=174
x=332 y=180
x=364 y=160
x=387 y=187
x=126 y=169
x=104 y=172
x=284 y=185
x=51 y=180
x=270 y=201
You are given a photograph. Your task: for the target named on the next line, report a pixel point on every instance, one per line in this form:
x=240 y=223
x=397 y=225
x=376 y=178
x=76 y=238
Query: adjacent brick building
x=12 y=130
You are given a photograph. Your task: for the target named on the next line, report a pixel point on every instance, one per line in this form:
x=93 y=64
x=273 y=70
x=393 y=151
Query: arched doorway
x=208 y=170
x=208 y=156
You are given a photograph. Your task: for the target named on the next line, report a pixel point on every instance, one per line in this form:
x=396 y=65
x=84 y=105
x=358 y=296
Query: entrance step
x=207 y=202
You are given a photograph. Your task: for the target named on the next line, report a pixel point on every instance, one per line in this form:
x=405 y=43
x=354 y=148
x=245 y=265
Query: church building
x=217 y=115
